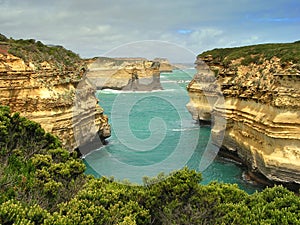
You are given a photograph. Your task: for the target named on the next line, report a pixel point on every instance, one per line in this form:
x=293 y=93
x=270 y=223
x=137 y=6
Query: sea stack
x=128 y=74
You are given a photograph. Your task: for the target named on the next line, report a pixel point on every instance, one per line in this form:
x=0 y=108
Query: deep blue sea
x=153 y=132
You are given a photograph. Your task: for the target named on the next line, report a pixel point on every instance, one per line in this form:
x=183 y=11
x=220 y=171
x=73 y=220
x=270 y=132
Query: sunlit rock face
x=135 y=74
x=45 y=92
x=261 y=103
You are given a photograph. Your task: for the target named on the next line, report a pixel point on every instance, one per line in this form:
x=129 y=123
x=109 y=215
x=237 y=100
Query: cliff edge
x=260 y=91
x=41 y=82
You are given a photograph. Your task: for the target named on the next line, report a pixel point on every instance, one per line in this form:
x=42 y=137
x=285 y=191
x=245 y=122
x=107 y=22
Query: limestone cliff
x=125 y=74
x=41 y=83
x=260 y=88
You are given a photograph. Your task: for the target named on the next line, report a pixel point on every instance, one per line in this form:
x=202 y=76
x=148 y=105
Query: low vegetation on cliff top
x=287 y=52
x=42 y=183
x=35 y=51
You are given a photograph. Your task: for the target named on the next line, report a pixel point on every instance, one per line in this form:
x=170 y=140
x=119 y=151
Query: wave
x=164 y=90
x=91 y=152
x=183 y=81
x=168 y=81
x=185 y=129
x=175 y=81
x=190 y=68
x=113 y=91
x=110 y=91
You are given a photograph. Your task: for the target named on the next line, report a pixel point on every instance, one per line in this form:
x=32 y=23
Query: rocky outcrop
x=125 y=74
x=45 y=92
x=165 y=65
x=260 y=101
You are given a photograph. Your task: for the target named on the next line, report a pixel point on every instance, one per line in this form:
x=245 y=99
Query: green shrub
x=36 y=51
x=42 y=183
x=287 y=52
x=3 y=38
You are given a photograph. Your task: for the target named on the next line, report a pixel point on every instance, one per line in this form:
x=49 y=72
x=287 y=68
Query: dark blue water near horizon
x=153 y=132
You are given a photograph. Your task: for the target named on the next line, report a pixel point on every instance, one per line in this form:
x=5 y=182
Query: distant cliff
x=261 y=89
x=41 y=82
x=125 y=73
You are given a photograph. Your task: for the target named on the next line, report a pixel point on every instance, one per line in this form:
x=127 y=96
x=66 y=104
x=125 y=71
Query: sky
x=177 y=29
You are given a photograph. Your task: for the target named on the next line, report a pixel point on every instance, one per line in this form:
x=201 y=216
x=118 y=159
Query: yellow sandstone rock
x=125 y=73
x=46 y=94
x=262 y=108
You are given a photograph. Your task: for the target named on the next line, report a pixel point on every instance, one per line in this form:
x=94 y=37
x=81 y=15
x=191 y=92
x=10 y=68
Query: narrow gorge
x=257 y=90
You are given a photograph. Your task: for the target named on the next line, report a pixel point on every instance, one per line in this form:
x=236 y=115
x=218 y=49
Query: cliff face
x=45 y=92
x=260 y=101
x=125 y=74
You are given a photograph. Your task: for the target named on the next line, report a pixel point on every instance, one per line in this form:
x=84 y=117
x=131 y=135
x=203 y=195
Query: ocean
x=152 y=133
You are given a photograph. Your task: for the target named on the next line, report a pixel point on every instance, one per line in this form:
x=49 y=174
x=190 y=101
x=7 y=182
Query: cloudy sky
x=118 y=27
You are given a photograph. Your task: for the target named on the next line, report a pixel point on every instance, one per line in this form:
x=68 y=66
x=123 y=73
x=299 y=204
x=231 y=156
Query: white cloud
x=93 y=27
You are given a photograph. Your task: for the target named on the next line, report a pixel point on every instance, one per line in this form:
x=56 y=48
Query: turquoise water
x=153 y=132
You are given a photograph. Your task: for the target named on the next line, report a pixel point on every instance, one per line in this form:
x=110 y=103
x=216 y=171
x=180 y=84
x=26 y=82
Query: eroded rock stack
x=165 y=65
x=136 y=74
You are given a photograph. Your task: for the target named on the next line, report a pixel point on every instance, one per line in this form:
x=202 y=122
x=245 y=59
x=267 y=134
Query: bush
x=42 y=183
x=34 y=167
x=274 y=205
x=37 y=52
x=287 y=52
x=3 y=38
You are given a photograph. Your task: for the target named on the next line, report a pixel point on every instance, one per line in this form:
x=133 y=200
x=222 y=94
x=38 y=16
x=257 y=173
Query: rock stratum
x=44 y=83
x=257 y=90
x=137 y=74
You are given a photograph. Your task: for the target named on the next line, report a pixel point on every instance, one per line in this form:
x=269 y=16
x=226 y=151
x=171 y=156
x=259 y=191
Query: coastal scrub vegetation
x=35 y=51
x=286 y=52
x=42 y=183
